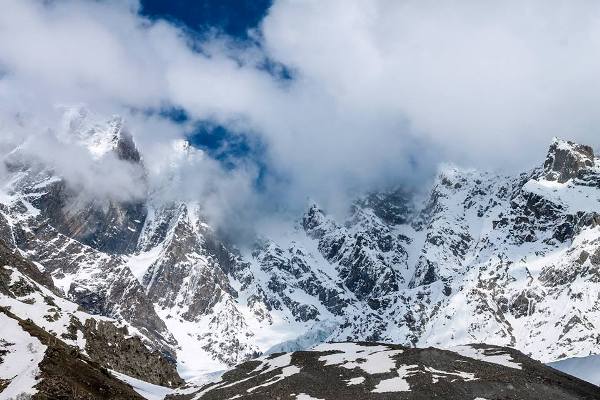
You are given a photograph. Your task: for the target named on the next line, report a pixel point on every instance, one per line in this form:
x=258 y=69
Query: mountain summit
x=567 y=160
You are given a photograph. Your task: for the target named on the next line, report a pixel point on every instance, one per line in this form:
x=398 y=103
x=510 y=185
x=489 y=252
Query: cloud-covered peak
x=376 y=93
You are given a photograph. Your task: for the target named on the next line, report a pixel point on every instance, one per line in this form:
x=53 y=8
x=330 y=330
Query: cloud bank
x=380 y=91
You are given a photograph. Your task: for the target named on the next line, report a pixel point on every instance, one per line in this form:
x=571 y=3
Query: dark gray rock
x=419 y=374
x=114 y=348
x=565 y=160
x=66 y=373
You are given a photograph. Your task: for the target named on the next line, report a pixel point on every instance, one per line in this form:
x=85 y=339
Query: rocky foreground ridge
x=474 y=258
x=364 y=371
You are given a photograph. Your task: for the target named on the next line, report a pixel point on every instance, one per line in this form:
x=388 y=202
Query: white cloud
x=382 y=90
x=486 y=81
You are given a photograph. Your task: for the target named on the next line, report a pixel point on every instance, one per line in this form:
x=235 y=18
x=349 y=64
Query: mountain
x=384 y=371
x=474 y=257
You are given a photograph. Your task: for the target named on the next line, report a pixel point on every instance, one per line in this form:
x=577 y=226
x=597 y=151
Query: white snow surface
x=355 y=381
x=144 y=389
x=371 y=359
x=398 y=383
x=488 y=355
x=20 y=364
x=572 y=197
x=304 y=396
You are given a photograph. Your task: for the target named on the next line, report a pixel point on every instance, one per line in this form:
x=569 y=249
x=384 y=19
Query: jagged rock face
x=106 y=226
x=375 y=371
x=52 y=369
x=123 y=144
x=393 y=207
x=186 y=275
x=37 y=220
x=100 y=283
x=114 y=348
x=10 y=256
x=368 y=253
x=64 y=341
x=460 y=267
x=289 y=270
x=566 y=160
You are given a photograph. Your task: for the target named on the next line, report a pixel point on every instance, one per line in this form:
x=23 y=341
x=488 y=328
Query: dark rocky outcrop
x=105 y=225
x=393 y=207
x=65 y=373
x=565 y=160
x=180 y=270
x=106 y=344
x=114 y=348
x=415 y=374
x=12 y=257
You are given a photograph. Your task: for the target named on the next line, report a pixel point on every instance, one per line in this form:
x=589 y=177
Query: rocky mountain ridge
x=385 y=371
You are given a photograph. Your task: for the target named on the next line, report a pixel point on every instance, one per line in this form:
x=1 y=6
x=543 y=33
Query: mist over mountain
x=462 y=83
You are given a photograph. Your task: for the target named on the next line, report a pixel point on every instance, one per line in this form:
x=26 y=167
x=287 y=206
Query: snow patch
x=490 y=355
x=437 y=374
x=371 y=359
x=143 y=388
x=20 y=364
x=570 y=196
x=398 y=383
x=355 y=381
x=303 y=396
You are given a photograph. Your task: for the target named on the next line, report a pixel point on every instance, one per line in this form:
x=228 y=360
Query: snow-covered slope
x=505 y=260
x=20 y=359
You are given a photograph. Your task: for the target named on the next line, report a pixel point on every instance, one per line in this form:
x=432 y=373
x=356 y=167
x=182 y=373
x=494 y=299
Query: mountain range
x=147 y=290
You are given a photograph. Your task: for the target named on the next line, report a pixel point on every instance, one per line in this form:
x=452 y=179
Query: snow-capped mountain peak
x=100 y=137
x=567 y=160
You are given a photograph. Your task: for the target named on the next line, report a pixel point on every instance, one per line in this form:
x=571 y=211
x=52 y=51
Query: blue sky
x=234 y=18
